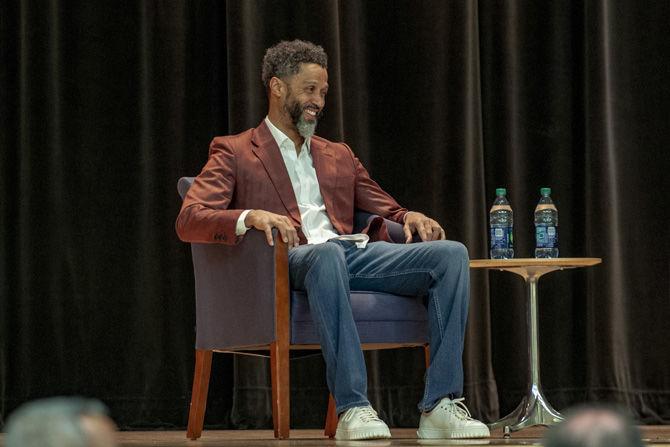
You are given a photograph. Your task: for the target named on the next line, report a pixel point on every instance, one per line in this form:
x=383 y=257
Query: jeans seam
x=436 y=304
x=390 y=275
x=323 y=327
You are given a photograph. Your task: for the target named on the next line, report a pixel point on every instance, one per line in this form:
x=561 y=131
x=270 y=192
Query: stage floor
x=655 y=435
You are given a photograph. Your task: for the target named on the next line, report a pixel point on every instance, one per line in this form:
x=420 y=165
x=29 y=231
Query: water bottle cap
x=545 y=191
x=501 y=192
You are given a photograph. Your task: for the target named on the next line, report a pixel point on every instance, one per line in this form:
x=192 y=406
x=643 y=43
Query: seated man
x=280 y=175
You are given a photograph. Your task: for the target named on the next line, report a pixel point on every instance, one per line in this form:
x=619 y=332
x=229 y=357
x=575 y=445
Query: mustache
x=297 y=109
x=319 y=114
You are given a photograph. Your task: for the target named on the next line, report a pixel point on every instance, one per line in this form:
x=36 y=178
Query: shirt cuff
x=240 y=228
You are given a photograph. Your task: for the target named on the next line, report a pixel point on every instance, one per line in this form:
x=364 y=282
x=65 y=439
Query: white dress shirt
x=316 y=224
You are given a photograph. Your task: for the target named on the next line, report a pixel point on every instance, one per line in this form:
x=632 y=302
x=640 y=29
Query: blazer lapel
x=326 y=170
x=266 y=149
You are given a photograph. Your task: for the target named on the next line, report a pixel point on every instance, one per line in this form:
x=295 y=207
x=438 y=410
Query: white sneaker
x=361 y=423
x=451 y=419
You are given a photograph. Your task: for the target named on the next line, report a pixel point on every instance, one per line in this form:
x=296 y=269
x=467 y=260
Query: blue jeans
x=437 y=269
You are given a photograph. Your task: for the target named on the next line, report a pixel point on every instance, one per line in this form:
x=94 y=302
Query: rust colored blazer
x=247 y=171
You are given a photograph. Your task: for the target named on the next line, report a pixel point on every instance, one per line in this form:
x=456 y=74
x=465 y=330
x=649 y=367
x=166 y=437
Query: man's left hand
x=428 y=229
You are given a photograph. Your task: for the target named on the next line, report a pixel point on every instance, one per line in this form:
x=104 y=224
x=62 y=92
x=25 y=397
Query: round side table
x=534 y=408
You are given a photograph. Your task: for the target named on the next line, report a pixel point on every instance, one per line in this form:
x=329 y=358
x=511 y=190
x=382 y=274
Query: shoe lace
x=367 y=414
x=458 y=408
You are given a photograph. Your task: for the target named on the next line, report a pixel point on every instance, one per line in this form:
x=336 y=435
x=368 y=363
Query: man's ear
x=276 y=86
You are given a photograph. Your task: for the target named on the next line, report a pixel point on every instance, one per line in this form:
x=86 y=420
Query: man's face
x=306 y=97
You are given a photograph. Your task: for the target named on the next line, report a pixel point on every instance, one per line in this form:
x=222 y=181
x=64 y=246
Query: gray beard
x=305 y=129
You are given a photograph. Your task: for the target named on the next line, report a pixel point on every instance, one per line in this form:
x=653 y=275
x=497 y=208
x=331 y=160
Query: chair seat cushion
x=380 y=318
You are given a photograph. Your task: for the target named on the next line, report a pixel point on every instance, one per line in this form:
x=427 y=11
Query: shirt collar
x=280 y=137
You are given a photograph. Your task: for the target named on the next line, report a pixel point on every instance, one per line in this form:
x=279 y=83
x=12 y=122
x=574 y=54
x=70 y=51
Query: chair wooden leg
x=196 y=414
x=331 y=418
x=426 y=353
x=279 y=370
x=281 y=407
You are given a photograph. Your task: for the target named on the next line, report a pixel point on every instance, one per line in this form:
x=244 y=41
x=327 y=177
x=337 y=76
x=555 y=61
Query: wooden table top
x=534 y=262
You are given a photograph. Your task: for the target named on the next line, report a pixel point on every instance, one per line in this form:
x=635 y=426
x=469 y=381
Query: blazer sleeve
x=204 y=215
x=370 y=197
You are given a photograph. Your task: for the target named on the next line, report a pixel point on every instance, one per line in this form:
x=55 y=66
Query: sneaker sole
x=452 y=434
x=356 y=435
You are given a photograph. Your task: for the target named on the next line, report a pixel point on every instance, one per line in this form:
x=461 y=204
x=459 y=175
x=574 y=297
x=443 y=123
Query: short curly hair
x=284 y=59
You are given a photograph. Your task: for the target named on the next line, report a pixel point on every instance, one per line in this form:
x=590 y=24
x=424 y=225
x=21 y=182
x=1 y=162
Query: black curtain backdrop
x=104 y=105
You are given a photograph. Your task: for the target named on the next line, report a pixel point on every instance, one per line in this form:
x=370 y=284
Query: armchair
x=244 y=303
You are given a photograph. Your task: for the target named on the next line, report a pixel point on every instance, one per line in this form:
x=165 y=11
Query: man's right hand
x=265 y=221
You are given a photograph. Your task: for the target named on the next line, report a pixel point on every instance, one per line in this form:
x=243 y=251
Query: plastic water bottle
x=502 y=222
x=546 y=226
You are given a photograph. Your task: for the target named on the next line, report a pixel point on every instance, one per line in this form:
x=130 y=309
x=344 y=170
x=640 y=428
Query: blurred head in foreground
x=61 y=422
x=594 y=426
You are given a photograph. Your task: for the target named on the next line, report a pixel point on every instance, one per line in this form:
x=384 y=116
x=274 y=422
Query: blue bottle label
x=501 y=237
x=546 y=237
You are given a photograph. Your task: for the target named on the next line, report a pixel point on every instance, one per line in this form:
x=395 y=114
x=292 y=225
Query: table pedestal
x=534 y=408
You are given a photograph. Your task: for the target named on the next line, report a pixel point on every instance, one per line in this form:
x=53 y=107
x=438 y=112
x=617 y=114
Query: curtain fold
x=103 y=107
